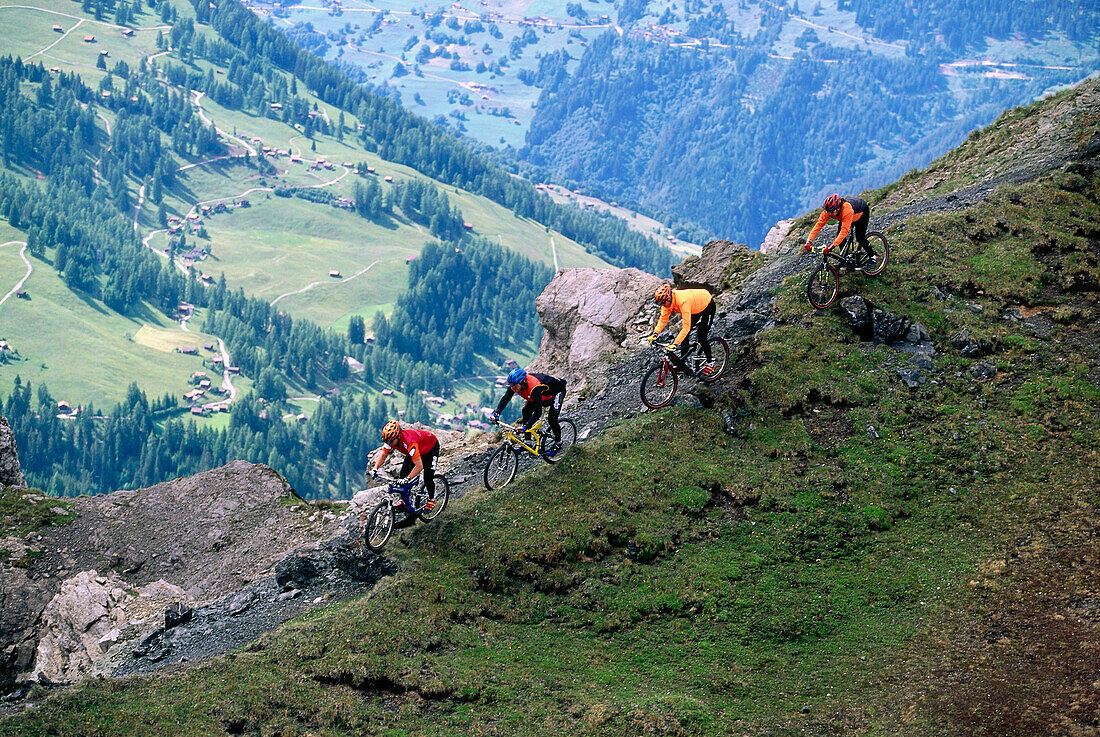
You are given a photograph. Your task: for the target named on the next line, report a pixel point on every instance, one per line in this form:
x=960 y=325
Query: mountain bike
x=538 y=441
x=659 y=383
x=824 y=284
x=408 y=498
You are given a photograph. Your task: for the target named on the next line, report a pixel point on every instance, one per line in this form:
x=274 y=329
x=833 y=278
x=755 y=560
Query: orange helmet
x=391 y=431
x=663 y=295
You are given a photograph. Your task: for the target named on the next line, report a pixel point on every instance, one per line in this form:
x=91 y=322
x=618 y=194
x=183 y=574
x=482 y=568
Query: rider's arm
x=683 y=334
x=666 y=313
x=418 y=463
x=383 y=453
x=504 y=400
x=822 y=219
x=847 y=217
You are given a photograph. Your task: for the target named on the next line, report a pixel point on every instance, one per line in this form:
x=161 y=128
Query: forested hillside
x=732 y=116
x=171 y=251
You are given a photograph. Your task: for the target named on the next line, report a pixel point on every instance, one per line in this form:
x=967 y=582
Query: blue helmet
x=516 y=376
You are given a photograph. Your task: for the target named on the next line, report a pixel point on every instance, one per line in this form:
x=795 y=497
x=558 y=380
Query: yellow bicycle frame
x=511 y=436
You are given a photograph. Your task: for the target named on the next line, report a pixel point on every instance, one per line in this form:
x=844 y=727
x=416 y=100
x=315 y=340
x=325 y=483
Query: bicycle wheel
x=658 y=385
x=442 y=493
x=823 y=286
x=720 y=353
x=878 y=244
x=568 y=437
x=379 y=526
x=501 y=468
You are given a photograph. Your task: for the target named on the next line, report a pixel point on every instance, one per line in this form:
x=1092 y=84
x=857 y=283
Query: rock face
x=187 y=541
x=588 y=312
x=773 y=241
x=91 y=614
x=10 y=473
x=720 y=267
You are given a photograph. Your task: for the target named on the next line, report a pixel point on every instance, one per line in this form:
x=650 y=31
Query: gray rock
x=857 y=312
x=176 y=614
x=10 y=472
x=589 y=312
x=918 y=334
x=721 y=264
x=773 y=241
x=242 y=601
x=888 y=327
x=872 y=432
x=922 y=361
x=983 y=370
x=911 y=377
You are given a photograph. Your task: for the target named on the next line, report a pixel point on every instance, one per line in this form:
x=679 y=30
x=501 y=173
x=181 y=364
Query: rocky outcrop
x=588 y=312
x=773 y=241
x=10 y=472
x=68 y=591
x=721 y=266
x=91 y=614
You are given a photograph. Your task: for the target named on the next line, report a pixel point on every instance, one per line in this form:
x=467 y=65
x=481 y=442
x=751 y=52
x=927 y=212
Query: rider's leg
x=861 y=232
x=552 y=415
x=406 y=469
x=531 y=413
x=429 y=460
x=706 y=317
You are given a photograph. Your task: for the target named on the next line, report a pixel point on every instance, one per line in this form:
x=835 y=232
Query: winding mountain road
x=30 y=269
x=323 y=282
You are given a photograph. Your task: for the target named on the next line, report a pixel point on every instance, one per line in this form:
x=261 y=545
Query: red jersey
x=412 y=441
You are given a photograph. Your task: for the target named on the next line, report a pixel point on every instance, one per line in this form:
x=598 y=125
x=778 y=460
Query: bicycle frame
x=394 y=491
x=688 y=365
x=511 y=436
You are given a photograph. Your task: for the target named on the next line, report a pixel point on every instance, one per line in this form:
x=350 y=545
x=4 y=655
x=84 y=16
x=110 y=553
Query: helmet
x=516 y=376
x=663 y=295
x=832 y=203
x=391 y=431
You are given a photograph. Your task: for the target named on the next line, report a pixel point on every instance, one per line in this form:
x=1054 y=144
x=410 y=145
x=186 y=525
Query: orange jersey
x=687 y=302
x=847 y=216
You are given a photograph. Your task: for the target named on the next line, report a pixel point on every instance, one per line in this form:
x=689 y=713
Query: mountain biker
x=421 y=449
x=689 y=303
x=540 y=390
x=849 y=211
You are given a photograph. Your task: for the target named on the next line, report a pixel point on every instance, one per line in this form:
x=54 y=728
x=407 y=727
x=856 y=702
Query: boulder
x=773 y=241
x=77 y=625
x=588 y=312
x=857 y=312
x=721 y=266
x=10 y=472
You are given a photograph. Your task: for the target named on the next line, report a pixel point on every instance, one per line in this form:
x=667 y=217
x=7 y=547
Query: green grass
x=89 y=353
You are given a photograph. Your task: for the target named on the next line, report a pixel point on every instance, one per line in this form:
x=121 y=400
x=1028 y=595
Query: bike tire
x=501 y=468
x=379 y=526
x=720 y=352
x=659 y=385
x=442 y=494
x=878 y=244
x=823 y=286
x=568 y=438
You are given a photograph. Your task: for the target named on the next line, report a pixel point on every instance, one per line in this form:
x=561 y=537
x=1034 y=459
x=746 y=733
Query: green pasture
x=280 y=245
x=85 y=352
x=24 y=32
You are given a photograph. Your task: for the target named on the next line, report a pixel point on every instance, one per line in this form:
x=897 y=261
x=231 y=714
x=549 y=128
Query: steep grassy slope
x=856 y=558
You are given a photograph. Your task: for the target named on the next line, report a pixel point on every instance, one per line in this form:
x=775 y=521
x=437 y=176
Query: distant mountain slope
x=728 y=120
